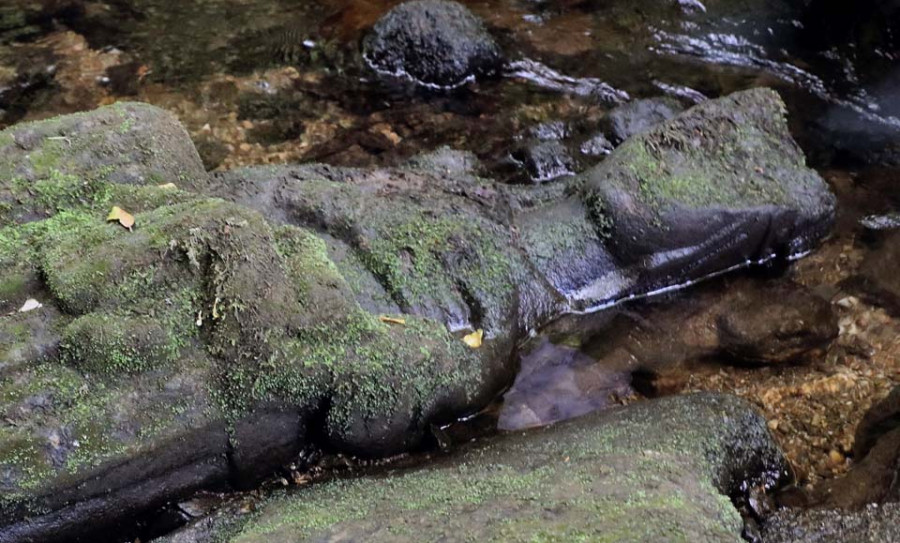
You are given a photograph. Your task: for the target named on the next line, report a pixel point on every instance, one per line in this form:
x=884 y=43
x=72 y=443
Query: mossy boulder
x=56 y=164
x=657 y=471
x=198 y=348
x=267 y=309
x=428 y=243
x=721 y=184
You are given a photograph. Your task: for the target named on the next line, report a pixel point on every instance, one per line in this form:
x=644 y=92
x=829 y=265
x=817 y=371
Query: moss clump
x=320 y=287
x=112 y=344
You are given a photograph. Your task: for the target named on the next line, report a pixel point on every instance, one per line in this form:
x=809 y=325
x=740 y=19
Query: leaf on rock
x=474 y=339
x=123 y=217
x=30 y=305
x=392 y=320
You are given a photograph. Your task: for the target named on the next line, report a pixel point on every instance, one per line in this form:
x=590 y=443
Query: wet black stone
x=639 y=116
x=597 y=146
x=435 y=43
x=545 y=161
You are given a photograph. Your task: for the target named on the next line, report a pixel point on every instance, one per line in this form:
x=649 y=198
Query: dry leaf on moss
x=474 y=339
x=392 y=320
x=123 y=217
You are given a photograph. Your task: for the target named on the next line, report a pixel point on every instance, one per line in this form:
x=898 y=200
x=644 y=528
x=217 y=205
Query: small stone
x=835 y=457
x=30 y=305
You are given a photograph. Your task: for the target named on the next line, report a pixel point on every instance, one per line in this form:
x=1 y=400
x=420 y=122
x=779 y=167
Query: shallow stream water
x=273 y=81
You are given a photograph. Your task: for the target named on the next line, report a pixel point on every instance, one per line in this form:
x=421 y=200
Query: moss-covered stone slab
x=719 y=185
x=266 y=309
x=56 y=164
x=657 y=471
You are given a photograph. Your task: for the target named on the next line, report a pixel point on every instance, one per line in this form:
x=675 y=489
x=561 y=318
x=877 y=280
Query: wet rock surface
x=435 y=43
x=639 y=116
x=873 y=524
x=727 y=168
x=877 y=277
x=640 y=473
x=220 y=336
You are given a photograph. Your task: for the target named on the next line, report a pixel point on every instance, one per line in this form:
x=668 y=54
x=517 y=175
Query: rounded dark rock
x=434 y=43
x=545 y=160
x=640 y=115
x=881 y=419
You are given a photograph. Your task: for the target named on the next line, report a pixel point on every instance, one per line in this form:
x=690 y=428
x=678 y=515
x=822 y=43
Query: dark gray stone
x=435 y=43
x=639 y=116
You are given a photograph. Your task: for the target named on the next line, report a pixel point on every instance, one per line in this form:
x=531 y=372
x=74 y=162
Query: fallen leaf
x=392 y=320
x=172 y=186
x=30 y=305
x=124 y=218
x=474 y=339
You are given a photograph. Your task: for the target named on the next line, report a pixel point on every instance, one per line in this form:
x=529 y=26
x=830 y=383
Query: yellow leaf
x=391 y=320
x=474 y=339
x=167 y=186
x=123 y=217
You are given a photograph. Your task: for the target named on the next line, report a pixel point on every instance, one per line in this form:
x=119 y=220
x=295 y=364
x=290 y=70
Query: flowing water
x=272 y=81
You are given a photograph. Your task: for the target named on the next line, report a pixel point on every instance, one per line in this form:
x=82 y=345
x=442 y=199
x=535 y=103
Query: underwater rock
x=639 y=116
x=878 y=278
x=862 y=505
x=882 y=418
x=640 y=473
x=545 y=160
x=557 y=382
x=435 y=43
x=659 y=347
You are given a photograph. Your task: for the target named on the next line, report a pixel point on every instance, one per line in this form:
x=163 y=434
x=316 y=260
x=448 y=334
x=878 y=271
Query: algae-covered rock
x=721 y=184
x=435 y=43
x=657 y=471
x=196 y=349
x=268 y=309
x=49 y=166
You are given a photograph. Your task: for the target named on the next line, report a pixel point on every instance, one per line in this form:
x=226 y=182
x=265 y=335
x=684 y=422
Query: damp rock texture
x=434 y=43
x=658 y=471
x=251 y=314
x=723 y=181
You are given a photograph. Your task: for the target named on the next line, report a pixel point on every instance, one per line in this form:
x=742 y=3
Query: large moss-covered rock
x=268 y=309
x=721 y=184
x=53 y=165
x=194 y=350
x=658 y=471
